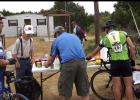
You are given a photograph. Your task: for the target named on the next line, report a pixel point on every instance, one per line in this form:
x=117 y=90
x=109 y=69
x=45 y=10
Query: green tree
x=7 y=13
x=123 y=17
x=104 y=16
x=79 y=13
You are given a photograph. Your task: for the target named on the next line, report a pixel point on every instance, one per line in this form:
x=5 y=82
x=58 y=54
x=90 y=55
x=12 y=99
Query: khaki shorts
x=73 y=71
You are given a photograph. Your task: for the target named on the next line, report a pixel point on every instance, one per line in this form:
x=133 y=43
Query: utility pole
x=97 y=34
x=65 y=16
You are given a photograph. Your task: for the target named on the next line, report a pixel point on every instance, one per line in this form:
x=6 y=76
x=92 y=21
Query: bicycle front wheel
x=18 y=96
x=101 y=85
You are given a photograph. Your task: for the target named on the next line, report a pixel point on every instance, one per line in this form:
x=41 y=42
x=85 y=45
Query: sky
x=35 y=6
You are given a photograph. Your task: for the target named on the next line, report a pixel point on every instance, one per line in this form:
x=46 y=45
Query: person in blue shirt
x=68 y=48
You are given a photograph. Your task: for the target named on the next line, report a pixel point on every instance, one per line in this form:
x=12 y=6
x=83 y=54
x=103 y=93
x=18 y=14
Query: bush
x=138 y=50
x=90 y=46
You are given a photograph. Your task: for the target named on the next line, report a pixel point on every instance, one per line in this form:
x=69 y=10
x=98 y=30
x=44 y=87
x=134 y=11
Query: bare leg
x=63 y=98
x=117 y=87
x=85 y=97
x=128 y=89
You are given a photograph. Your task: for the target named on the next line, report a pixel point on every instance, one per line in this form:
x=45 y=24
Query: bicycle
x=101 y=83
x=8 y=94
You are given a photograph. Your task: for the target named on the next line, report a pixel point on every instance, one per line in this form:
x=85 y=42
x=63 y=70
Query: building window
x=41 y=21
x=12 y=22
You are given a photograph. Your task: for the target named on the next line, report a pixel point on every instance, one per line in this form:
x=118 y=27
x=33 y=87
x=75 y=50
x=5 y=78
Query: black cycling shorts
x=121 y=68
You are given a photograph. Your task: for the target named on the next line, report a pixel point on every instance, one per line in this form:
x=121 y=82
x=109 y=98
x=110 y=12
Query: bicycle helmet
x=108 y=24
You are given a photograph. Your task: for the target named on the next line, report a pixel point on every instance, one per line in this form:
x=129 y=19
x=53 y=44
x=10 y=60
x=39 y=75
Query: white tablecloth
x=43 y=69
x=136 y=77
x=57 y=67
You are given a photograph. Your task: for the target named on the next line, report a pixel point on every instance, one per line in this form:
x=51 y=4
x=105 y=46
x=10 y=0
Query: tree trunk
x=97 y=34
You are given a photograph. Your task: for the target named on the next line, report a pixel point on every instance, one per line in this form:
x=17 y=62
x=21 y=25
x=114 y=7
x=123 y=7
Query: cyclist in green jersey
x=117 y=43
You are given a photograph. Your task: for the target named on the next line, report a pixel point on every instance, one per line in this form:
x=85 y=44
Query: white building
x=13 y=25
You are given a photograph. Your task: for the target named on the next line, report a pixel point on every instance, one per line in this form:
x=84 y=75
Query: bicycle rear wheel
x=18 y=96
x=101 y=85
x=15 y=96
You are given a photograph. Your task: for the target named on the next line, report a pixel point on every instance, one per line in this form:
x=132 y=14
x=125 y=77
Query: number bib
x=117 y=47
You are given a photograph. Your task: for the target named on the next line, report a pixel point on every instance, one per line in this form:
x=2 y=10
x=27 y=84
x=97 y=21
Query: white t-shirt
x=74 y=29
x=26 y=48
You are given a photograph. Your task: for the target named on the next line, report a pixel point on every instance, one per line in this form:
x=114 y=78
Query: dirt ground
x=50 y=91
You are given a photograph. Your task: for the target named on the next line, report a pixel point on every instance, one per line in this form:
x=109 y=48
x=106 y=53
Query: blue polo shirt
x=67 y=46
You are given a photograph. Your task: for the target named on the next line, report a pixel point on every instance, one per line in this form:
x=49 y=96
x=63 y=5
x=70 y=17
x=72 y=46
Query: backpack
x=29 y=87
x=22 y=45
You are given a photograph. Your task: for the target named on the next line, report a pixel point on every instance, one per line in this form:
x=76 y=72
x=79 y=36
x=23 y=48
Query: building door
x=27 y=21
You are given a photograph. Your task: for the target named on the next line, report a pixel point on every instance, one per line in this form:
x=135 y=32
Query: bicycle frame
x=110 y=78
x=108 y=86
x=104 y=64
x=7 y=89
x=9 y=79
x=104 y=68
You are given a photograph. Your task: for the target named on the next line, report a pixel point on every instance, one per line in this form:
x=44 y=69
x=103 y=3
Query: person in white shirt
x=23 y=52
x=77 y=30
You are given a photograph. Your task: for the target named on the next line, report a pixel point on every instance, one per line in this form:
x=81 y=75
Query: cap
x=1 y=16
x=108 y=23
x=58 y=29
x=28 y=29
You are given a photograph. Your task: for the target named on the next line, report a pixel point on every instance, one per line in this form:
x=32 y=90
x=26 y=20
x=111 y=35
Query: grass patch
x=90 y=44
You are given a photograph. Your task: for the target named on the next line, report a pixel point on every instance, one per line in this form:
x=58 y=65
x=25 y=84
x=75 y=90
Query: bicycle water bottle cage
x=10 y=76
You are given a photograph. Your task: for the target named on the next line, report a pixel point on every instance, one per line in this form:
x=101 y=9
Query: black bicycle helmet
x=108 y=24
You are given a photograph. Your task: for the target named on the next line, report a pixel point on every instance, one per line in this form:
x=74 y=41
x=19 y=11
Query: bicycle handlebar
x=104 y=63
